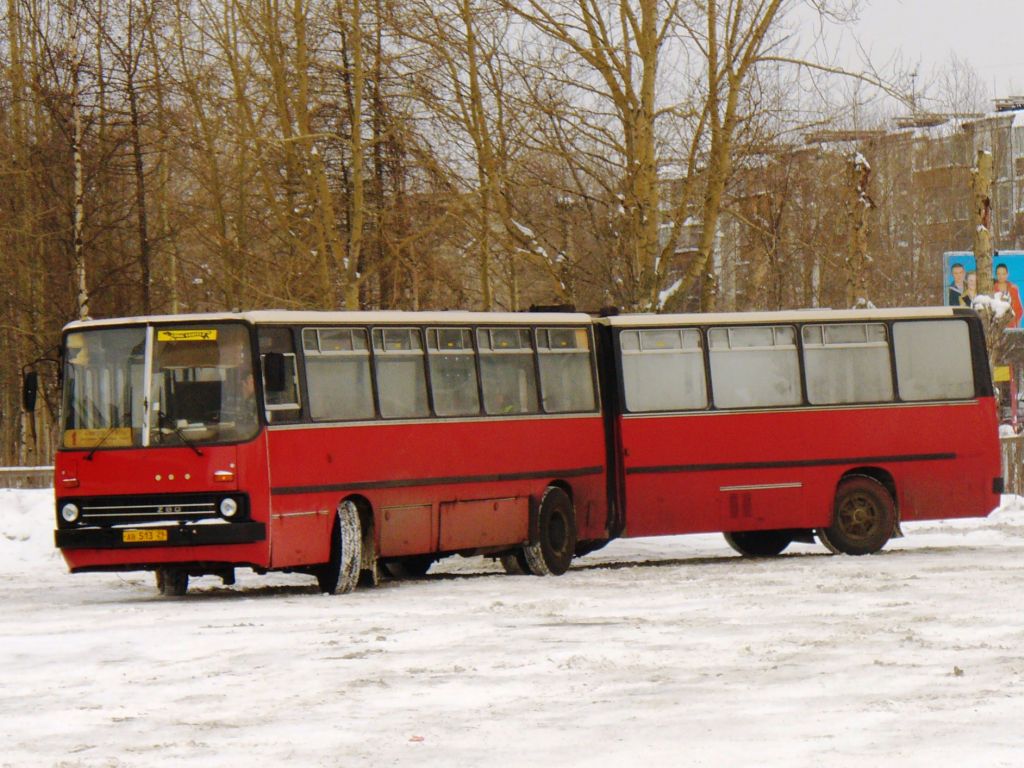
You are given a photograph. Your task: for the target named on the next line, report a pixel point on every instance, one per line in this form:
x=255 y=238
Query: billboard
x=961 y=282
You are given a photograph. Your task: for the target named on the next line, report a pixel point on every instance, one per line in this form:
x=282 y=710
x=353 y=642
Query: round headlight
x=69 y=512
x=228 y=507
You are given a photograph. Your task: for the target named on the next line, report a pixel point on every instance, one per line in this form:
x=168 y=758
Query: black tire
x=340 y=574
x=514 y=563
x=411 y=567
x=759 y=543
x=863 y=517
x=556 y=535
x=172 y=582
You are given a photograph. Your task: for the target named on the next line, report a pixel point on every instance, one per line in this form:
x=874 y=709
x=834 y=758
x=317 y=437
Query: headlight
x=69 y=512
x=228 y=507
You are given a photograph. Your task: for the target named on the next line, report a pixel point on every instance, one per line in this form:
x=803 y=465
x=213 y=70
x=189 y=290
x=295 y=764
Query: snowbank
x=668 y=651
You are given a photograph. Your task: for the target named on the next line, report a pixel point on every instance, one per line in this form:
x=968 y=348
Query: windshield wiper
x=102 y=440
x=162 y=419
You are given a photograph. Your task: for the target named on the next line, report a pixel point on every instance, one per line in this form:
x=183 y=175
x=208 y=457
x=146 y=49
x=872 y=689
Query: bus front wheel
x=759 y=543
x=556 y=535
x=863 y=517
x=172 y=582
x=340 y=574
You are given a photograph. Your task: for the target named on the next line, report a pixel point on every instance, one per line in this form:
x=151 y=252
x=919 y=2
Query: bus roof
x=787 y=316
x=383 y=317
x=462 y=317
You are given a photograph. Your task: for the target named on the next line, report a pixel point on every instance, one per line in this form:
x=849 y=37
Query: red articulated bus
x=347 y=445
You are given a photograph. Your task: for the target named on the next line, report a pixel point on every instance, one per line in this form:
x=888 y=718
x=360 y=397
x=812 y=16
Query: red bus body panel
x=735 y=471
x=171 y=471
x=441 y=486
x=433 y=487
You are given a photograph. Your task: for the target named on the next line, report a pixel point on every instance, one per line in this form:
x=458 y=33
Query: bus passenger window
x=754 y=366
x=663 y=370
x=453 y=371
x=401 y=375
x=566 y=372
x=933 y=359
x=847 y=363
x=338 y=374
x=507 y=371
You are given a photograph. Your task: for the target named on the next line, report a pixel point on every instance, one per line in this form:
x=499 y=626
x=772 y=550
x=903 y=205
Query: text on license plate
x=145 y=534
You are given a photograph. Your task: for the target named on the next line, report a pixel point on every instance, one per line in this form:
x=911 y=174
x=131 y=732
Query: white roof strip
x=301 y=317
x=790 y=316
x=461 y=317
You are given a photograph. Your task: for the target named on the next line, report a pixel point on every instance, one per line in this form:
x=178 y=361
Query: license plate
x=142 y=535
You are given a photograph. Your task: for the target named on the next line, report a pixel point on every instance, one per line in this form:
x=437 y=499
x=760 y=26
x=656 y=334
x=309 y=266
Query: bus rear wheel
x=556 y=535
x=759 y=543
x=863 y=517
x=340 y=574
x=514 y=563
x=410 y=567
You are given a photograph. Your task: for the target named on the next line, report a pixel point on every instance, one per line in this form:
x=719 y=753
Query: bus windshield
x=201 y=387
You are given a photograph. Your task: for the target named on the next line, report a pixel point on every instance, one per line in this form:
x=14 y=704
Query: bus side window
x=401 y=378
x=663 y=370
x=933 y=359
x=507 y=371
x=281 y=404
x=754 y=366
x=566 y=372
x=338 y=377
x=847 y=363
x=453 y=371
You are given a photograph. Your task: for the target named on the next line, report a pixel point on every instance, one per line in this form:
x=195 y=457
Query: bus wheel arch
x=553 y=533
x=863 y=515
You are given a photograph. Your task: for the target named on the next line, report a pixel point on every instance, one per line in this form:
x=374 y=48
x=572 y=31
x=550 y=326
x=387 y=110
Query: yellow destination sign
x=120 y=437
x=188 y=334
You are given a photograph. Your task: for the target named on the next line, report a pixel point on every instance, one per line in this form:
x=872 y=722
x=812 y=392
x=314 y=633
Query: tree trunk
x=140 y=193
x=858 y=205
x=981 y=183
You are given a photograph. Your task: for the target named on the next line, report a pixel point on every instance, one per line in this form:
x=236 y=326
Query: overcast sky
x=929 y=30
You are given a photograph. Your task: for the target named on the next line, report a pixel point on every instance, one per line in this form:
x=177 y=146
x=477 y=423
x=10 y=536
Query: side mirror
x=274 y=372
x=29 y=390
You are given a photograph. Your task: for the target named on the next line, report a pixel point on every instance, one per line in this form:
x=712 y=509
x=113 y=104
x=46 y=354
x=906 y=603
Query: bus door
x=299 y=520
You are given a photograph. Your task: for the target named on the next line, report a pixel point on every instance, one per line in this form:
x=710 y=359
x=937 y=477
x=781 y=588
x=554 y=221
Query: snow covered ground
x=661 y=651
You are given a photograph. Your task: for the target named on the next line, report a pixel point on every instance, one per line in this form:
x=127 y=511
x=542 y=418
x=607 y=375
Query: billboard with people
x=961 y=280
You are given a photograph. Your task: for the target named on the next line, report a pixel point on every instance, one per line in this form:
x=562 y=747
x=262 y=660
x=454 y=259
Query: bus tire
x=759 y=543
x=863 y=517
x=556 y=535
x=514 y=563
x=340 y=574
x=172 y=582
x=410 y=567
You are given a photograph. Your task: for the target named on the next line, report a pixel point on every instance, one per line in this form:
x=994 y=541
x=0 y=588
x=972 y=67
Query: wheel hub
x=858 y=516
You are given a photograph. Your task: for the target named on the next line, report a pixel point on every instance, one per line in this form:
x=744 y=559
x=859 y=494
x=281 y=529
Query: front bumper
x=177 y=536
